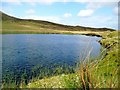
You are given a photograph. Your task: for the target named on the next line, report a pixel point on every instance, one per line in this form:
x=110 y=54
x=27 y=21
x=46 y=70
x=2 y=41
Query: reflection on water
x=28 y=50
x=50 y=48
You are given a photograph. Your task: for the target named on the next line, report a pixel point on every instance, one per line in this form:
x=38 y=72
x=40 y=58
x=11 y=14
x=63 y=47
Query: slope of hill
x=15 y=25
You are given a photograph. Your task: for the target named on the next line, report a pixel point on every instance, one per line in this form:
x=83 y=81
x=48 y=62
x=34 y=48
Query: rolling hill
x=12 y=24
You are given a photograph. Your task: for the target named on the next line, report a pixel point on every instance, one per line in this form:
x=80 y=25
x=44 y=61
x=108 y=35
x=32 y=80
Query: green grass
x=60 y=81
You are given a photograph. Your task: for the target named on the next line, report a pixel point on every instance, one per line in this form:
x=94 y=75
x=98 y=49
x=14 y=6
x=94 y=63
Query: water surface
x=29 y=50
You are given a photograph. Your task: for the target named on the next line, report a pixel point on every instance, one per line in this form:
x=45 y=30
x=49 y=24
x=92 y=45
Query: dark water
x=29 y=50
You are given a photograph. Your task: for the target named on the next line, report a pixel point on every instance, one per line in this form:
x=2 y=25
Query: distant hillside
x=15 y=25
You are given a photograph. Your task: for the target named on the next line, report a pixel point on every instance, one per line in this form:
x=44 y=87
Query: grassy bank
x=99 y=73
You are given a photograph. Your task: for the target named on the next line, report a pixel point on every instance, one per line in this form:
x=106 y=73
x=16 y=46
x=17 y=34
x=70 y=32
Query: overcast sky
x=70 y=12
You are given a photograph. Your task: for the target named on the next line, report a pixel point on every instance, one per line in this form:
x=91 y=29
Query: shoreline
x=99 y=69
x=88 y=33
x=110 y=55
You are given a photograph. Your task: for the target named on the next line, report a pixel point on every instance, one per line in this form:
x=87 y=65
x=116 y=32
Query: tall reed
x=91 y=78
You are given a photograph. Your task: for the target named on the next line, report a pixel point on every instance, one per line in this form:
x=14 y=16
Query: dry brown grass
x=90 y=76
